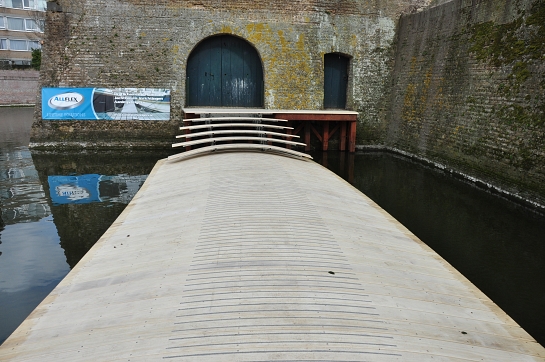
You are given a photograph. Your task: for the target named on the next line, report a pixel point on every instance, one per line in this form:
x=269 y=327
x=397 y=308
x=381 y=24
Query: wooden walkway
x=322 y=124
x=251 y=256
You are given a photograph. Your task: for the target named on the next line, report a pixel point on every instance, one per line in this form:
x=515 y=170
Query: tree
x=36 y=61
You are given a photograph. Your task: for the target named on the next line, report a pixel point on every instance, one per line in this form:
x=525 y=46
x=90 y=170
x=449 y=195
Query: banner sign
x=74 y=189
x=147 y=104
x=84 y=189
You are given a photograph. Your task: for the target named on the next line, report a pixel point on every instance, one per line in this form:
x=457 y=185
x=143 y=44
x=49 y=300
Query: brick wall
x=468 y=90
x=137 y=43
x=18 y=87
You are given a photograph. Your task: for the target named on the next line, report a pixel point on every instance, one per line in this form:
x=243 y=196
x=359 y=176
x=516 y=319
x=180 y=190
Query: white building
x=21 y=30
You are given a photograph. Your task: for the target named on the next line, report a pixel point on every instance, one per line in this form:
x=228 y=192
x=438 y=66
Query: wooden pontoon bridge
x=252 y=252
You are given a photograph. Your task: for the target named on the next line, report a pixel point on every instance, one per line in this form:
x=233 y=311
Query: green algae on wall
x=519 y=47
x=468 y=90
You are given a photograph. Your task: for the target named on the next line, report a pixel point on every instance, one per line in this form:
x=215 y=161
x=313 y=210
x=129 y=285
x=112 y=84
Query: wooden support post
x=342 y=146
x=325 y=137
x=352 y=137
x=307 y=136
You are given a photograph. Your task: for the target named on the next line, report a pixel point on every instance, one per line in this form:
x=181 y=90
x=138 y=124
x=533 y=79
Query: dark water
x=45 y=231
x=55 y=207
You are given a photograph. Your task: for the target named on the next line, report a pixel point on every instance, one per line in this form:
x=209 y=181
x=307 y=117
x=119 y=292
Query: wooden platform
x=322 y=123
x=248 y=256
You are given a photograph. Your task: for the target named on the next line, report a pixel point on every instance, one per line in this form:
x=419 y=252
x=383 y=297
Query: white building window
x=3 y=44
x=30 y=25
x=34 y=45
x=25 y=4
x=2 y=22
x=18 y=45
x=16 y=24
x=17 y=4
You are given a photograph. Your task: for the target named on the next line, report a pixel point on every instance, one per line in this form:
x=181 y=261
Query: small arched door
x=335 y=80
x=224 y=71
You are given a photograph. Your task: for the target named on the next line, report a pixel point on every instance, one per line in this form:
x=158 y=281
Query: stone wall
x=18 y=87
x=137 y=43
x=468 y=90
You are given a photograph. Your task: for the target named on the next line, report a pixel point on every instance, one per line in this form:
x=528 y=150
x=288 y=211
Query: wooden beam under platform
x=322 y=124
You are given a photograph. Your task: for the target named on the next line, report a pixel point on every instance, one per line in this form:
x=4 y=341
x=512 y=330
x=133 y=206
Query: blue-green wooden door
x=335 y=80
x=224 y=71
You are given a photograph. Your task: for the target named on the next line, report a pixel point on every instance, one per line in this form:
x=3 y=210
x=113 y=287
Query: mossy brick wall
x=468 y=90
x=137 y=43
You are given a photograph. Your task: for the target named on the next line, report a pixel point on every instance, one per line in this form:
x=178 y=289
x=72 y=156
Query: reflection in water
x=31 y=260
x=498 y=245
x=41 y=240
x=31 y=265
x=85 y=189
x=21 y=192
x=110 y=179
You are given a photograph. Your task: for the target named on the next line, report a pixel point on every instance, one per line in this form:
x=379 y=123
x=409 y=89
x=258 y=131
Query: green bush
x=36 y=61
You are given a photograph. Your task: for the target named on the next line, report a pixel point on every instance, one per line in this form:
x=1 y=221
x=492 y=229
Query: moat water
x=55 y=207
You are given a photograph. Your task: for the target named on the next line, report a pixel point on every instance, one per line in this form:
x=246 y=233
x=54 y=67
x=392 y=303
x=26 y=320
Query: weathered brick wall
x=137 y=43
x=468 y=90
x=18 y=87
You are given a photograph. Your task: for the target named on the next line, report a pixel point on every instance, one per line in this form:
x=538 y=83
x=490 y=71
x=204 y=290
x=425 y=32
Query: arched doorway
x=335 y=80
x=224 y=71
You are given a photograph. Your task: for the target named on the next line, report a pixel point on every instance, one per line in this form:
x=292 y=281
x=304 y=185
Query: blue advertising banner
x=147 y=104
x=74 y=189
x=84 y=189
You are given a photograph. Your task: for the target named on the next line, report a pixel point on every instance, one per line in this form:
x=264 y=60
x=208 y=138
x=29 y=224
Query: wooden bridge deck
x=248 y=256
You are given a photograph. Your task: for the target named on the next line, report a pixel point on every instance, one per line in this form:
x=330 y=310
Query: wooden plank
x=228 y=125
x=342 y=146
x=289 y=132
x=231 y=131
x=223 y=139
x=317 y=116
x=307 y=136
x=237 y=147
x=187 y=122
x=352 y=137
x=217 y=119
x=262 y=111
x=325 y=136
x=250 y=255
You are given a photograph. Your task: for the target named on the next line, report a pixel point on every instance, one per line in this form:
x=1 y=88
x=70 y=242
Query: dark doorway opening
x=335 y=80
x=224 y=71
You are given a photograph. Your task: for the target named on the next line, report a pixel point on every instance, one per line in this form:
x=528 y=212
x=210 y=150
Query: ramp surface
x=258 y=257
